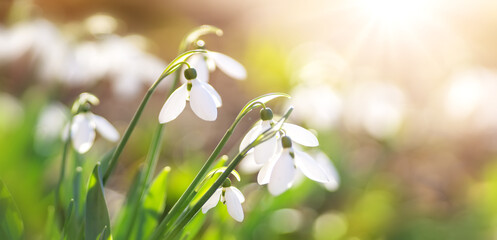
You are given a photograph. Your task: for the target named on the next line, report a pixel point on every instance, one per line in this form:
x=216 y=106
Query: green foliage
x=152 y=206
x=97 y=222
x=11 y=225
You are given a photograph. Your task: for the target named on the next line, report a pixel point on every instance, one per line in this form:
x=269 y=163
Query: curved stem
x=127 y=134
x=183 y=200
x=189 y=193
x=154 y=151
x=191 y=213
x=65 y=152
x=151 y=163
x=173 y=66
x=269 y=133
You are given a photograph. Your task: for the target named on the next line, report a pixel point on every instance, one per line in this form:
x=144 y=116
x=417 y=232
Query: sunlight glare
x=396 y=12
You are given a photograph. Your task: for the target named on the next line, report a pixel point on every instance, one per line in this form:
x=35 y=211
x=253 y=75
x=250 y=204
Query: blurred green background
x=401 y=94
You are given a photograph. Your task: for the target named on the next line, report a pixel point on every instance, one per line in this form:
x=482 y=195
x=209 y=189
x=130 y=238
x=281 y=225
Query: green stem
x=62 y=173
x=189 y=193
x=183 y=200
x=127 y=134
x=151 y=163
x=191 y=213
x=175 y=64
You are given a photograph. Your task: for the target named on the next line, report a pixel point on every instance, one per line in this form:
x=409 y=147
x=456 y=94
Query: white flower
x=204 y=100
x=231 y=197
x=279 y=172
x=83 y=130
x=266 y=150
x=207 y=62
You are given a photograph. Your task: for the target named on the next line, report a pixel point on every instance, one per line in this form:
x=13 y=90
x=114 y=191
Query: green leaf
x=124 y=216
x=193 y=227
x=220 y=163
x=221 y=170
x=105 y=161
x=101 y=236
x=263 y=99
x=69 y=216
x=11 y=225
x=50 y=224
x=197 y=33
x=97 y=215
x=153 y=205
x=71 y=227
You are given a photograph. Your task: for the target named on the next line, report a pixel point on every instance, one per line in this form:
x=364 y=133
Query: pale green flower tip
x=83 y=102
x=88 y=97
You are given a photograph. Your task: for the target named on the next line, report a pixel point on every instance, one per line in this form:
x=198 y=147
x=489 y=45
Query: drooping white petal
x=202 y=102
x=238 y=193
x=266 y=170
x=174 y=105
x=234 y=205
x=248 y=164
x=309 y=167
x=229 y=65
x=251 y=135
x=330 y=170
x=105 y=128
x=282 y=174
x=300 y=135
x=213 y=200
x=264 y=151
x=213 y=92
x=82 y=132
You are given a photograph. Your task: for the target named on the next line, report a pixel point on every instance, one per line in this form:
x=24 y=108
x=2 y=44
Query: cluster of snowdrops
x=273 y=146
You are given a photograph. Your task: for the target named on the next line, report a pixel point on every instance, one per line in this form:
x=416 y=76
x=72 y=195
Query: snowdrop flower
x=85 y=124
x=266 y=150
x=207 y=62
x=279 y=172
x=204 y=100
x=231 y=197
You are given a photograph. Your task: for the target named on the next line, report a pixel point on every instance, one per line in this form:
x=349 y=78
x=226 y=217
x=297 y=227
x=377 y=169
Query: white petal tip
x=83 y=148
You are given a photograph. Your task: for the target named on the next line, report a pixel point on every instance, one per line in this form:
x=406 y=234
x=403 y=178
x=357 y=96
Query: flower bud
x=190 y=73
x=227 y=183
x=266 y=114
x=286 y=142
